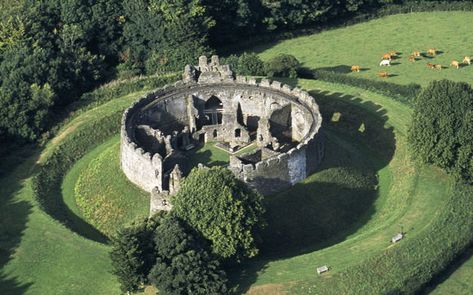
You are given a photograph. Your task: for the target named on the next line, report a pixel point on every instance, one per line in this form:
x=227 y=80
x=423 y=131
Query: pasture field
x=364 y=44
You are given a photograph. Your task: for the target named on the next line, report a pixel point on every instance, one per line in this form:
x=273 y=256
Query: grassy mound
x=104 y=196
x=364 y=44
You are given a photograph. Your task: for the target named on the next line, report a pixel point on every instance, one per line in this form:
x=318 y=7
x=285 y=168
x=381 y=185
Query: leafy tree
x=133 y=254
x=247 y=64
x=283 y=65
x=440 y=133
x=223 y=209
x=164 y=35
x=183 y=265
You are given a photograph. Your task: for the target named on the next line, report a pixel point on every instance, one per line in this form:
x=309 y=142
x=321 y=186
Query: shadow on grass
x=13 y=214
x=338 y=199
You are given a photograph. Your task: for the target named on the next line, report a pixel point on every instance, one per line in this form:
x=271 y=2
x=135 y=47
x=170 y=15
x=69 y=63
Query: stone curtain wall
x=255 y=99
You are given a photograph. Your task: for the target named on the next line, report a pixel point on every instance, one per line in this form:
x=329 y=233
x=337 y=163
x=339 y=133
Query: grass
x=460 y=281
x=104 y=196
x=364 y=44
x=210 y=155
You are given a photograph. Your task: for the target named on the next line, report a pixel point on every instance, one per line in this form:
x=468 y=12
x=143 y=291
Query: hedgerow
x=406 y=94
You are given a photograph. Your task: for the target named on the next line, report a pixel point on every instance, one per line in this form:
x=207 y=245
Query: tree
x=183 y=263
x=223 y=209
x=133 y=254
x=441 y=128
x=283 y=65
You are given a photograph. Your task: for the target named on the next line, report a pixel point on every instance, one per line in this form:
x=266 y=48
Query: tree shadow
x=326 y=208
x=13 y=214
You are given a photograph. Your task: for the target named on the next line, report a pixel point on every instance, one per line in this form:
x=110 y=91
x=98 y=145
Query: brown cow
x=416 y=53
x=392 y=53
x=412 y=58
x=383 y=74
x=432 y=52
x=355 y=68
x=430 y=65
x=387 y=56
x=455 y=64
x=467 y=60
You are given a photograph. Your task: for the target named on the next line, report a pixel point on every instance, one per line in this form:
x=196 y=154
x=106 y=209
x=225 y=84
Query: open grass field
x=364 y=44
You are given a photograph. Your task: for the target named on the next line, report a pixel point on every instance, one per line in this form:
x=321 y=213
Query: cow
x=467 y=60
x=355 y=68
x=387 y=56
x=416 y=53
x=432 y=52
x=455 y=64
x=392 y=53
x=383 y=74
x=430 y=65
x=438 y=67
x=385 y=62
x=412 y=58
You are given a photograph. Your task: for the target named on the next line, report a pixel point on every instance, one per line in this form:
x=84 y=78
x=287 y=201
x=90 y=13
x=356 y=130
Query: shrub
x=283 y=65
x=442 y=127
x=223 y=209
x=247 y=64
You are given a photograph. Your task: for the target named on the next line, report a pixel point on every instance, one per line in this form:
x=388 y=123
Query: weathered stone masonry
x=209 y=104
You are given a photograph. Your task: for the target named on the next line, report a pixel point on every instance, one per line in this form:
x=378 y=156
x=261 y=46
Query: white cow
x=385 y=62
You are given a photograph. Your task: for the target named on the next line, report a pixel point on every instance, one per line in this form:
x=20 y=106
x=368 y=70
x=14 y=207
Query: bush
x=442 y=127
x=403 y=93
x=247 y=64
x=283 y=65
x=223 y=210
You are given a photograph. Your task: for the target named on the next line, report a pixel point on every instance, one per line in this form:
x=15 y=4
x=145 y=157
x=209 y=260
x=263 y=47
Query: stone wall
x=245 y=105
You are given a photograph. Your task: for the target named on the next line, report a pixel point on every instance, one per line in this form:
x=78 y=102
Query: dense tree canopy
x=441 y=131
x=183 y=263
x=223 y=209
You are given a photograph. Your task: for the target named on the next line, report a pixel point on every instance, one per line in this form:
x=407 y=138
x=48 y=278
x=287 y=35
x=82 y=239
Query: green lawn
x=365 y=43
x=101 y=193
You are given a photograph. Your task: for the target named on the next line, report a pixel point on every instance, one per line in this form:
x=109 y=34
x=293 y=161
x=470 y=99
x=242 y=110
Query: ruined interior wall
x=268 y=176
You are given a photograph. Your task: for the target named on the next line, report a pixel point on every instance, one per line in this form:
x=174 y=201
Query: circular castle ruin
x=161 y=130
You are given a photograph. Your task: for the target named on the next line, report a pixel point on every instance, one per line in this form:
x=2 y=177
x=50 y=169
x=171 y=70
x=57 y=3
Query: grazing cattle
x=412 y=58
x=416 y=53
x=392 y=53
x=432 y=52
x=455 y=64
x=387 y=56
x=467 y=60
x=383 y=74
x=430 y=65
x=385 y=62
x=355 y=68
x=438 y=67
